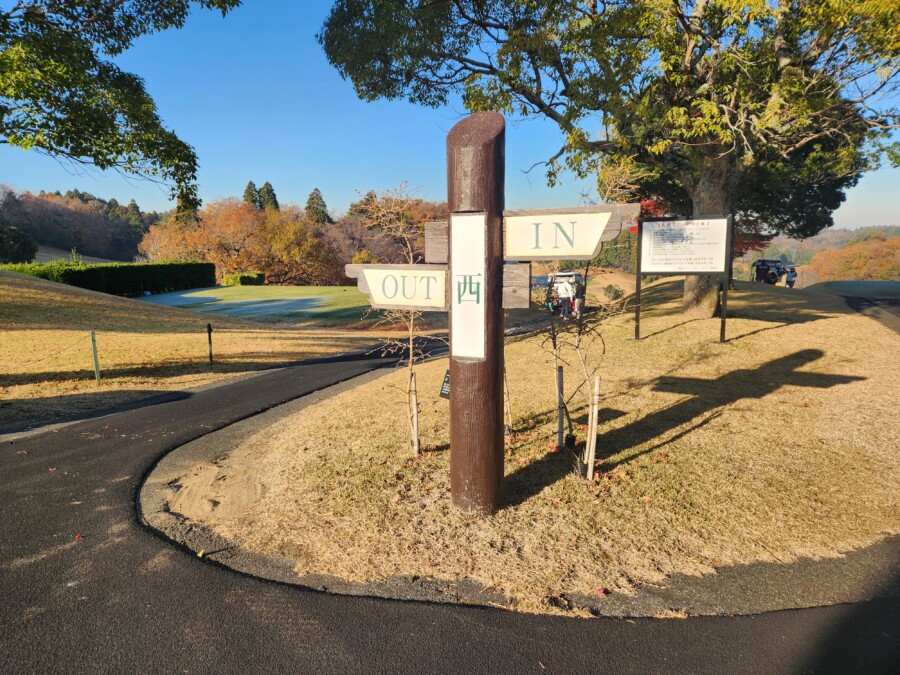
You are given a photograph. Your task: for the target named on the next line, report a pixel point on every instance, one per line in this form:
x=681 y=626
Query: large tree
x=710 y=94
x=61 y=95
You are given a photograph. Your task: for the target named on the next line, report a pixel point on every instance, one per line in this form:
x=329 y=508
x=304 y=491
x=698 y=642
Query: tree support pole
x=475 y=185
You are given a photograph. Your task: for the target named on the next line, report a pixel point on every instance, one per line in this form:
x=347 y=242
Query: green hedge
x=244 y=279
x=130 y=279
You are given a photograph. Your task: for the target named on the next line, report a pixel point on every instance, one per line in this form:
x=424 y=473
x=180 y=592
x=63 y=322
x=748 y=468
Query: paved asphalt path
x=85 y=588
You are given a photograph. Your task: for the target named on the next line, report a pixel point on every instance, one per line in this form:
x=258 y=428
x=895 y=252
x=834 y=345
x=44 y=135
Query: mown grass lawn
x=307 y=304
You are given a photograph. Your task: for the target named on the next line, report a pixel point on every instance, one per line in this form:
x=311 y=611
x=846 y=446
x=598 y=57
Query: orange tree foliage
x=237 y=237
x=874 y=259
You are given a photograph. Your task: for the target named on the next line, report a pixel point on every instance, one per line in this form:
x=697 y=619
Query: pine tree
x=316 y=210
x=251 y=195
x=267 y=198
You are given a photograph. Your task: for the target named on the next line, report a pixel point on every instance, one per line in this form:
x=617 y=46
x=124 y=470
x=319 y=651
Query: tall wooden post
x=475 y=185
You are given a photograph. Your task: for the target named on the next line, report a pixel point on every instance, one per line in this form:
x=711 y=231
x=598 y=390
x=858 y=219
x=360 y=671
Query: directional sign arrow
x=411 y=287
x=423 y=288
x=573 y=233
x=563 y=234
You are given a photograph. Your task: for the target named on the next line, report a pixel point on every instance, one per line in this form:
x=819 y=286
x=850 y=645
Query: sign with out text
x=684 y=246
x=412 y=287
x=468 y=285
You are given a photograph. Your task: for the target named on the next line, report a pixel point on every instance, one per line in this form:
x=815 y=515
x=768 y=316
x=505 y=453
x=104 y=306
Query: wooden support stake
x=507 y=409
x=414 y=414
x=475 y=185
x=96 y=360
x=594 y=428
x=209 y=335
x=560 y=408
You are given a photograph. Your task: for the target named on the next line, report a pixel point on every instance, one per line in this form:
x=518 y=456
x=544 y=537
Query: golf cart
x=554 y=282
x=769 y=270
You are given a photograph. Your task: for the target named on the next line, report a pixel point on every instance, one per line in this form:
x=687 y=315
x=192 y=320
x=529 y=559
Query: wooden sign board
x=572 y=233
x=409 y=286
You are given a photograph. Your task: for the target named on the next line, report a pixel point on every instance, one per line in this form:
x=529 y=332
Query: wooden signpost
x=673 y=247
x=478 y=264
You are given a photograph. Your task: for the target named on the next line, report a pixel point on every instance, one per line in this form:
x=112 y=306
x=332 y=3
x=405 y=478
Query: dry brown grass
x=46 y=365
x=779 y=444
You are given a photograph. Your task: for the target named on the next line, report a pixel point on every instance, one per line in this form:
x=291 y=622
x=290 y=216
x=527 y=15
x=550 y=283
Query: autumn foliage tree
x=238 y=237
x=875 y=259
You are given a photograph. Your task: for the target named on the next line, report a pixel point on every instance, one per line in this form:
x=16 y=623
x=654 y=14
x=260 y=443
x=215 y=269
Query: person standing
x=579 y=291
x=565 y=299
x=791 y=277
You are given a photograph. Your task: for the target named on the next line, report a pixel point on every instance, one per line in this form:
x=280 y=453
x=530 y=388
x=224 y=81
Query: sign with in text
x=554 y=236
x=411 y=287
x=684 y=246
x=468 y=285
x=570 y=233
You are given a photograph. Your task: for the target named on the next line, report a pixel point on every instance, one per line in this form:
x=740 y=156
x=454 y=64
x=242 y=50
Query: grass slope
x=778 y=444
x=46 y=364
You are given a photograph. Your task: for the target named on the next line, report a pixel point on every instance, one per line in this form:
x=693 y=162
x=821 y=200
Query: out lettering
x=384 y=286
x=427 y=281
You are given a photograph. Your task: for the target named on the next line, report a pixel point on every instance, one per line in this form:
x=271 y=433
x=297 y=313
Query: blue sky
x=255 y=96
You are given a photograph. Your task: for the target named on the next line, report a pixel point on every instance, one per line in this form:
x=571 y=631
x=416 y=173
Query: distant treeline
x=801 y=252
x=77 y=220
x=288 y=243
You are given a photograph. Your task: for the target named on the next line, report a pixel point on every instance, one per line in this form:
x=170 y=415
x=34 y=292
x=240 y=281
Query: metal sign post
x=726 y=275
x=637 y=283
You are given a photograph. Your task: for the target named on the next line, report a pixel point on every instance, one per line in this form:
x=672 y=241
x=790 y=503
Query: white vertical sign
x=468 y=284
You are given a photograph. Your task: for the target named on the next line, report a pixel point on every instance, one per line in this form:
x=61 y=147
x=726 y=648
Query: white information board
x=468 y=284
x=684 y=246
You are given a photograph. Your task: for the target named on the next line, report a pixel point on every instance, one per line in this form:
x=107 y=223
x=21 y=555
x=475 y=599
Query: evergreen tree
x=316 y=210
x=251 y=195
x=267 y=198
x=16 y=246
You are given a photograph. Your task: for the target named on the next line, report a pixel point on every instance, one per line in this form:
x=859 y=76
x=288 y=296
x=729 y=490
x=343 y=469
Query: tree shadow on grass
x=704 y=400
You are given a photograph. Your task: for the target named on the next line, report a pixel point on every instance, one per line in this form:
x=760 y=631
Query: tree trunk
x=711 y=197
